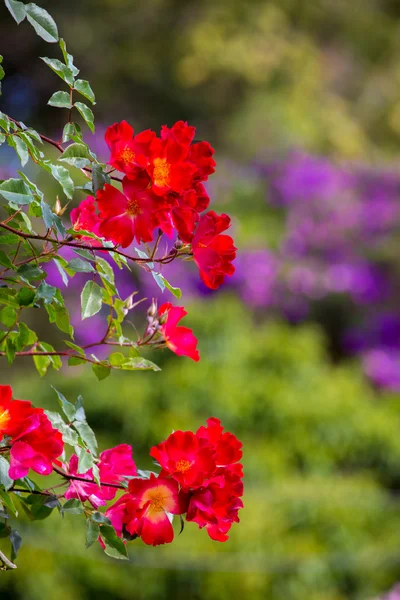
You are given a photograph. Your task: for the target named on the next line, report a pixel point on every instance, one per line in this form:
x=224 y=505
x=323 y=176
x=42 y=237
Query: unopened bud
x=178 y=244
x=152 y=310
x=58 y=209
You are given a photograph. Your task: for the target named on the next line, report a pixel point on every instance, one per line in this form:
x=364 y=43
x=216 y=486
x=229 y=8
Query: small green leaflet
x=60 y=100
x=42 y=22
x=91 y=299
x=83 y=87
x=86 y=113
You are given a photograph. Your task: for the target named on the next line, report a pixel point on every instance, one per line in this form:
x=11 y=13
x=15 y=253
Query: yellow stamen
x=133 y=208
x=4 y=418
x=127 y=155
x=161 y=172
x=182 y=466
x=157 y=502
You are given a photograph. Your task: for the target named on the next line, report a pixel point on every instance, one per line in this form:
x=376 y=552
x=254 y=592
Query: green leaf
x=76 y=155
x=86 y=113
x=87 y=435
x=92 y=533
x=101 y=371
x=73 y=506
x=4 y=122
x=51 y=219
x=60 y=100
x=115 y=547
x=4 y=477
x=42 y=22
x=26 y=337
x=69 y=435
x=81 y=266
x=91 y=299
x=16 y=543
x=60 y=69
x=77 y=349
x=42 y=363
x=54 y=360
x=10 y=351
x=85 y=461
x=83 y=87
x=63 y=177
x=67 y=407
x=20 y=147
x=139 y=364
x=25 y=296
x=16 y=191
x=177 y=292
x=117 y=359
x=99 y=178
x=36 y=508
x=17 y=10
x=69 y=59
x=8 y=316
x=98 y=517
x=60 y=268
x=5 y=260
x=8 y=502
x=8 y=297
x=2 y=138
x=45 y=292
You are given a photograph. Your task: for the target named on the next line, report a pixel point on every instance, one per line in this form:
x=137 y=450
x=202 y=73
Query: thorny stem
x=29 y=236
x=70 y=477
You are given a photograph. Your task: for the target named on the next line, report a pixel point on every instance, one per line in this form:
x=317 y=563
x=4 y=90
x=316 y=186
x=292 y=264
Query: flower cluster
x=26 y=430
x=114 y=465
x=163 y=329
x=200 y=477
x=163 y=189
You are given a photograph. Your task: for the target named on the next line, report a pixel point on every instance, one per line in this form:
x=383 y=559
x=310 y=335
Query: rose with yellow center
x=183 y=466
x=127 y=156
x=133 y=208
x=159 y=499
x=4 y=418
x=161 y=172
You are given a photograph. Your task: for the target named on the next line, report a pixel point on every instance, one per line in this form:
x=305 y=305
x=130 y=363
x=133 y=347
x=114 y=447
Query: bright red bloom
x=169 y=169
x=145 y=510
x=36 y=450
x=178 y=339
x=226 y=447
x=180 y=132
x=129 y=153
x=185 y=214
x=201 y=154
x=216 y=507
x=114 y=465
x=212 y=252
x=35 y=444
x=185 y=459
x=84 y=217
x=132 y=214
x=17 y=417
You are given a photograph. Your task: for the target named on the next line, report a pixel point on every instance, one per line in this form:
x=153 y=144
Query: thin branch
x=84 y=246
x=7 y=564
x=77 y=478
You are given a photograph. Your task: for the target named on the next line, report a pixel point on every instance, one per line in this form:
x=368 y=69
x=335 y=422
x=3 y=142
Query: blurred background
x=301 y=348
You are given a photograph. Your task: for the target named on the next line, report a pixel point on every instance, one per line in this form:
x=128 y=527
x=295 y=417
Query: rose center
x=127 y=155
x=161 y=172
x=157 y=502
x=4 y=418
x=133 y=208
x=182 y=466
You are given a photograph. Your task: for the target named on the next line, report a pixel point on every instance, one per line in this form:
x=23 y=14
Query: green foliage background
x=322 y=449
